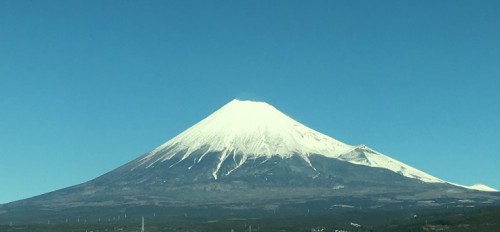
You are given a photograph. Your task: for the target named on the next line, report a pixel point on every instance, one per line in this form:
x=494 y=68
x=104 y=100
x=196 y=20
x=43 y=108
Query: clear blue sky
x=86 y=86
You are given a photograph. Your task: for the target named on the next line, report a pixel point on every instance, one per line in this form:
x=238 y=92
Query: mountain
x=482 y=187
x=249 y=155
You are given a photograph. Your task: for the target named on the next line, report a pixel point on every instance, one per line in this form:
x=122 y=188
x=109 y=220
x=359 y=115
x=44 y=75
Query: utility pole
x=142 y=227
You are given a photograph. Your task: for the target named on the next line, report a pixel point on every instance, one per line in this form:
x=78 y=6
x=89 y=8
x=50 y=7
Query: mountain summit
x=243 y=130
x=247 y=129
x=252 y=129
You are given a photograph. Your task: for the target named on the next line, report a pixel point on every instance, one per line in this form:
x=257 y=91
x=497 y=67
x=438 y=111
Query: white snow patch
x=479 y=187
x=355 y=224
x=482 y=187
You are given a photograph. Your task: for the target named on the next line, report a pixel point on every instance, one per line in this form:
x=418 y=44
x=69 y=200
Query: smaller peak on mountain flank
x=482 y=187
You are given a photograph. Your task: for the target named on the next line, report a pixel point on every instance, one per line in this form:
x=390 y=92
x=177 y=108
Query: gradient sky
x=86 y=86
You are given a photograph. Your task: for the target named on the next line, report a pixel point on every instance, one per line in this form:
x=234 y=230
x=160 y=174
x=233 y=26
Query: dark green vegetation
x=457 y=220
x=345 y=219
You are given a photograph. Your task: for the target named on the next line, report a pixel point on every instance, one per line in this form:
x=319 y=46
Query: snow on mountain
x=256 y=129
x=373 y=158
x=483 y=187
x=479 y=187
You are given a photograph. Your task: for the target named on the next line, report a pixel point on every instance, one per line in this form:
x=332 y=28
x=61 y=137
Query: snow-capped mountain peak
x=249 y=129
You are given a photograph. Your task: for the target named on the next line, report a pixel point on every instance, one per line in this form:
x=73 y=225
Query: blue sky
x=86 y=86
